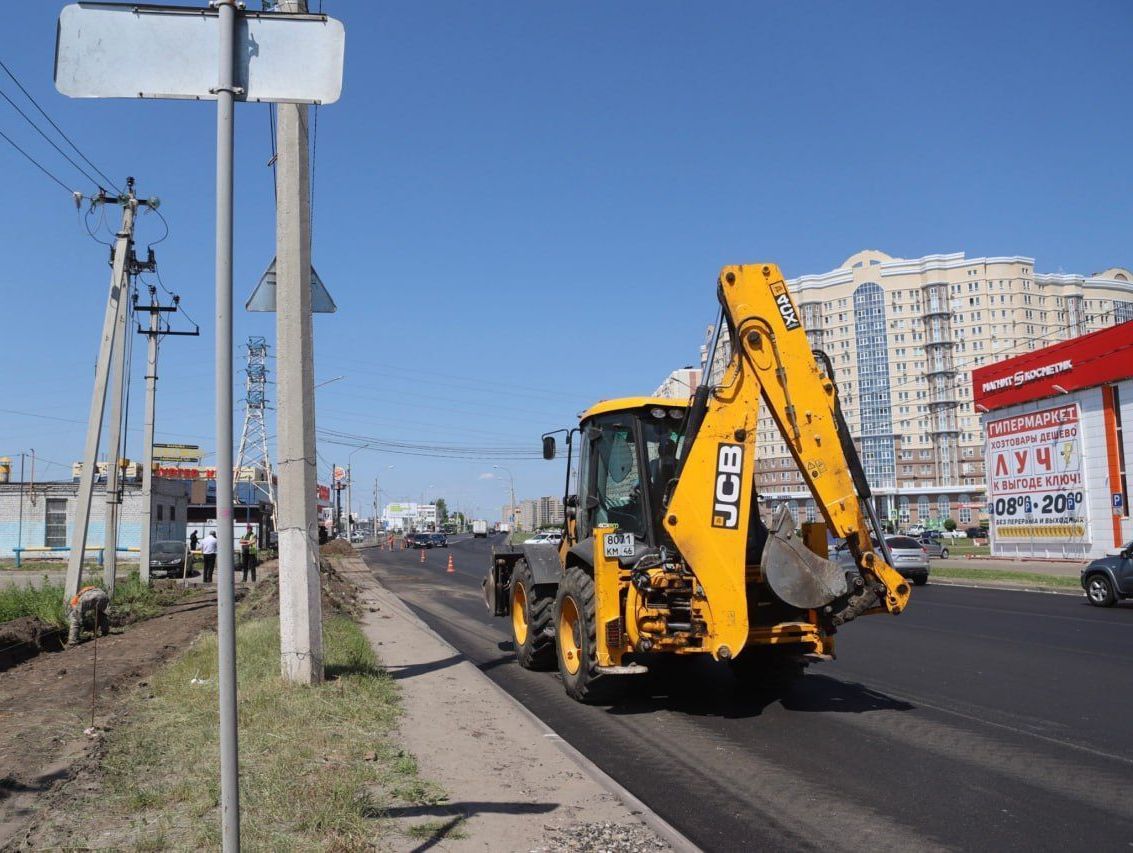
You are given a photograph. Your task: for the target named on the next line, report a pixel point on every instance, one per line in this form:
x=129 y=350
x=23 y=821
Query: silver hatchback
x=910 y=557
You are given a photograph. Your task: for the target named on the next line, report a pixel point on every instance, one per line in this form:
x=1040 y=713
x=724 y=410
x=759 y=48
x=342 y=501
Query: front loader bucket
x=796 y=574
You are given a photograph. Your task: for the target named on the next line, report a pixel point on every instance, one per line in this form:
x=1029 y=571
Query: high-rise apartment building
x=904 y=336
x=535 y=513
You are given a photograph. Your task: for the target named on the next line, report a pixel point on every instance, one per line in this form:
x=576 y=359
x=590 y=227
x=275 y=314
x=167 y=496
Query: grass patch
x=1031 y=578
x=133 y=600
x=317 y=763
x=43 y=602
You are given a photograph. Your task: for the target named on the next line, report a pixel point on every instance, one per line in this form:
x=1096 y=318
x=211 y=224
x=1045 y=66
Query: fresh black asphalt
x=977 y=720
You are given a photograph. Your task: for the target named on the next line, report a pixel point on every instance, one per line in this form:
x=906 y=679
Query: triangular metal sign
x=263 y=297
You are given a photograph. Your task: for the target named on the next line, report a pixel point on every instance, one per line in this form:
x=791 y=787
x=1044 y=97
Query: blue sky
x=521 y=208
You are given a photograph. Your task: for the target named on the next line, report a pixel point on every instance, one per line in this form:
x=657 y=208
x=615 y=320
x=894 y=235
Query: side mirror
x=592 y=502
x=548 y=447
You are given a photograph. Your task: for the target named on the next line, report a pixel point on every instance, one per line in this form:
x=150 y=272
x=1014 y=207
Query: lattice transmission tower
x=254 y=452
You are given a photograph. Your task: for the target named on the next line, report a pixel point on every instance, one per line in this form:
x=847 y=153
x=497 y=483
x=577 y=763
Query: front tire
x=531 y=621
x=575 y=638
x=1099 y=591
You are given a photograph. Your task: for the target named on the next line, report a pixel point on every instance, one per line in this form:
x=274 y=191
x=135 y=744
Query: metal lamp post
x=511 y=480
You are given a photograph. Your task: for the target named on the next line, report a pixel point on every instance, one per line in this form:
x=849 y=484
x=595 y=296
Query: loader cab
x=627 y=459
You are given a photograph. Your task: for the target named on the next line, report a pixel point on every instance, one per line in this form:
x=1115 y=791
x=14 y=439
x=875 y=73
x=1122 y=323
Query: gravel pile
x=601 y=837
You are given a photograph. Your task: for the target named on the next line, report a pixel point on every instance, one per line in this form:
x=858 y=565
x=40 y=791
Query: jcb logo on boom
x=729 y=486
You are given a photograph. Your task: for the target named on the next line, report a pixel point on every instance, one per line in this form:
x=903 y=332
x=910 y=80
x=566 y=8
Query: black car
x=976 y=532
x=1108 y=579
x=426 y=540
x=167 y=556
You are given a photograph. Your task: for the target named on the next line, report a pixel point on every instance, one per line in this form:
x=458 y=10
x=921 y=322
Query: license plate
x=618 y=545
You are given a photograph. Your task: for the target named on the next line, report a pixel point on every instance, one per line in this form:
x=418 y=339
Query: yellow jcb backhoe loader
x=664 y=550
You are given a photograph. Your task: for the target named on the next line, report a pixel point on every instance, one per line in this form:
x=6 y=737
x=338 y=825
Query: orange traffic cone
x=422 y=555
x=451 y=568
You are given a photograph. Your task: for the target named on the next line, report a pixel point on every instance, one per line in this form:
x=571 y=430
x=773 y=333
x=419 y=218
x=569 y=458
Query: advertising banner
x=177 y=453
x=1035 y=484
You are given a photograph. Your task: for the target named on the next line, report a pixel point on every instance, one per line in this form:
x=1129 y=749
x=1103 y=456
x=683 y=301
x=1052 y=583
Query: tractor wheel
x=575 y=639
x=531 y=630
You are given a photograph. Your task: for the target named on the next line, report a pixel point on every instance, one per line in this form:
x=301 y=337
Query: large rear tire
x=575 y=638
x=531 y=621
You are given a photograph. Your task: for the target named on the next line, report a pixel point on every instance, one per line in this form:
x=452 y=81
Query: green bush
x=43 y=602
x=949 y=524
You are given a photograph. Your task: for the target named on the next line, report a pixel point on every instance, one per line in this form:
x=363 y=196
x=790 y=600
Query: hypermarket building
x=1057 y=423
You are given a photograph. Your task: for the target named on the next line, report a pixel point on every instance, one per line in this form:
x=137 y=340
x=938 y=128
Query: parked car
x=934 y=547
x=1110 y=578
x=910 y=557
x=167 y=556
x=976 y=532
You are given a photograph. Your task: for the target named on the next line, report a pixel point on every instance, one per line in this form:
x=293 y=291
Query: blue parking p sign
x=1118 y=500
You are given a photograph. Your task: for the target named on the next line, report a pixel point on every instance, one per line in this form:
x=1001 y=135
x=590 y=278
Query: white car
x=547 y=537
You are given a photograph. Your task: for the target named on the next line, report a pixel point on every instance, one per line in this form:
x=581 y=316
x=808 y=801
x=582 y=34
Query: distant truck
x=479 y=528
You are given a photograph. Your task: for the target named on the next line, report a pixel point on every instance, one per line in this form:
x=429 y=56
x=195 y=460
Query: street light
x=511 y=479
x=350 y=490
x=377 y=501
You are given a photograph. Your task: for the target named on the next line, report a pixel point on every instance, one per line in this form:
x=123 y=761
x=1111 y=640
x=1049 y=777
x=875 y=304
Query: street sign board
x=177 y=453
x=117 y=50
x=263 y=297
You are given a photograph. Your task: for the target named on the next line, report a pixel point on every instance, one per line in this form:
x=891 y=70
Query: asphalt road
x=978 y=720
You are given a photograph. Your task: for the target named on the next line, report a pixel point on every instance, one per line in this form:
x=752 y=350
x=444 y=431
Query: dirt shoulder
x=46 y=703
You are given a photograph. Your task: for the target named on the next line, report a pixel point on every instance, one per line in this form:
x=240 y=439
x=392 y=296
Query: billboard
x=177 y=453
x=1034 y=474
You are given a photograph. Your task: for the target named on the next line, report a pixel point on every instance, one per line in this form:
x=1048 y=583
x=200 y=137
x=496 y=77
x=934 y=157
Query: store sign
x=1022 y=377
x=1034 y=471
x=1063 y=368
x=177 y=453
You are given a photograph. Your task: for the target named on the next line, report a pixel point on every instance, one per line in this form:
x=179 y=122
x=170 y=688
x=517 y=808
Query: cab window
x=617 y=481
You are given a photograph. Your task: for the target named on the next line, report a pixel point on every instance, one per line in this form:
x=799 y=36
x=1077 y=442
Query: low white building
x=39 y=516
x=1057 y=427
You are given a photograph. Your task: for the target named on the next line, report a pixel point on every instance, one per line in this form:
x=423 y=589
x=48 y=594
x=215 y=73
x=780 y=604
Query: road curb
x=666 y=831
x=1009 y=586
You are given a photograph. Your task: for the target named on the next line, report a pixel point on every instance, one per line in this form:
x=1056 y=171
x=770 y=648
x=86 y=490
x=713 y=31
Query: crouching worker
x=89 y=608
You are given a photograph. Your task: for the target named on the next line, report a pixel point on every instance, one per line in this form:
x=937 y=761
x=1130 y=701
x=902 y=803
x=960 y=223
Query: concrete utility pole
x=300 y=601
x=114 y=444
x=152 y=334
x=225 y=573
x=147 y=441
x=115 y=310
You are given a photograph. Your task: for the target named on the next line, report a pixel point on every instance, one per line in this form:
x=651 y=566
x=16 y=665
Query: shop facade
x=1057 y=423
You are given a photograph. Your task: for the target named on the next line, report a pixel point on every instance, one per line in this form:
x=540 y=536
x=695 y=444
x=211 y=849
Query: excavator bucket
x=795 y=573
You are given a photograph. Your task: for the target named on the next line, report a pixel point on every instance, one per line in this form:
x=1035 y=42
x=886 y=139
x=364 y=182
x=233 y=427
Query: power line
x=36 y=163
x=58 y=129
x=50 y=141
